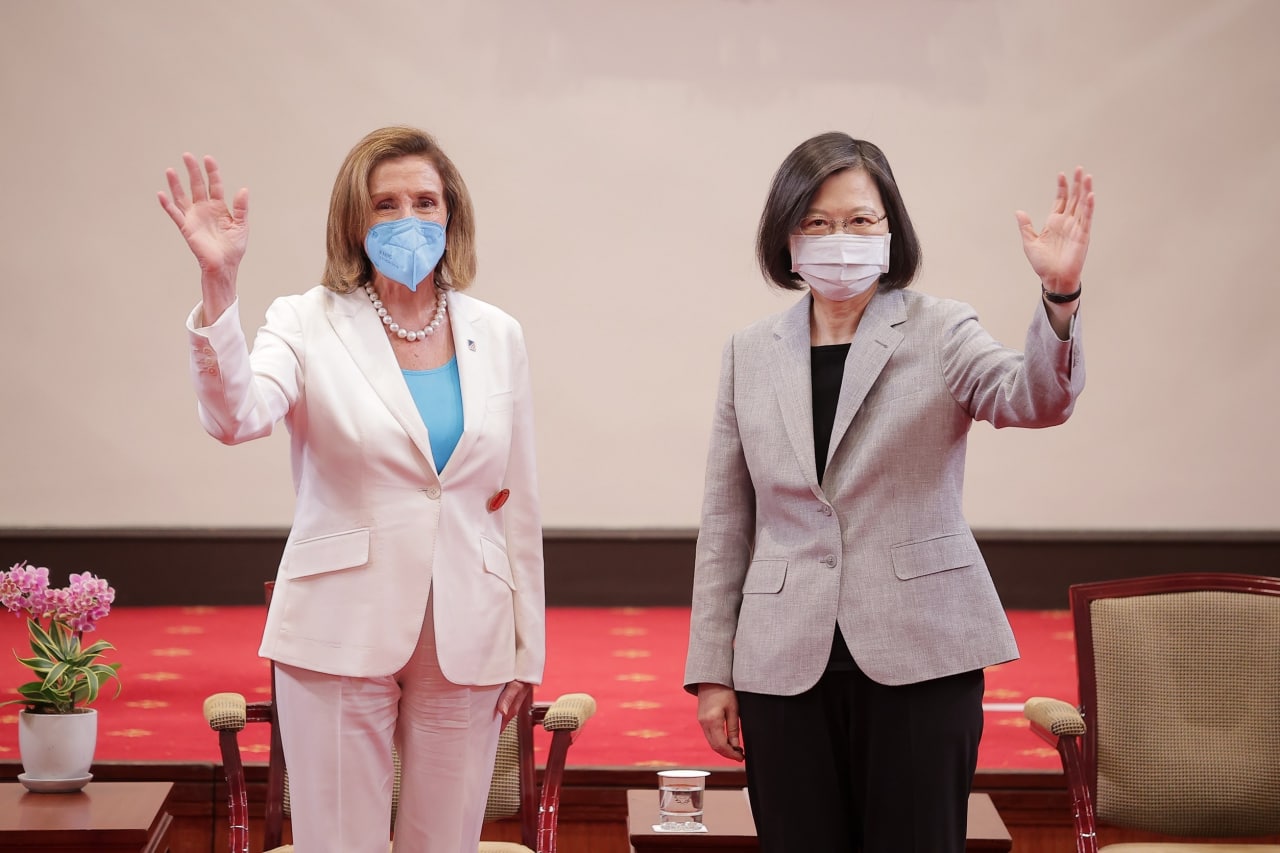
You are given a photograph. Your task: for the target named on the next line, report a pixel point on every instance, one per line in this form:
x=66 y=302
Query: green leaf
x=98 y=648
x=68 y=646
x=105 y=671
x=57 y=673
x=41 y=665
x=38 y=634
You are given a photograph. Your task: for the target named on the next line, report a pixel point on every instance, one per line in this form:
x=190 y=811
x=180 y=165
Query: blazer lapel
x=360 y=331
x=792 y=382
x=472 y=348
x=873 y=343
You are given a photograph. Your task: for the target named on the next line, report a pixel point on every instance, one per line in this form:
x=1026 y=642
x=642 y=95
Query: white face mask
x=840 y=266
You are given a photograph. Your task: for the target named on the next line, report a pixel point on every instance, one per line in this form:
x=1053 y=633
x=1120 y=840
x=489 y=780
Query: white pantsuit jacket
x=375 y=528
x=881 y=548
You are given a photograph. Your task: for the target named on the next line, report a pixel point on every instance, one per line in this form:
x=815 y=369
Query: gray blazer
x=881 y=547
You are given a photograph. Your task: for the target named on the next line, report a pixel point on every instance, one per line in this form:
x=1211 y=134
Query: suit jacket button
x=432 y=492
x=830 y=560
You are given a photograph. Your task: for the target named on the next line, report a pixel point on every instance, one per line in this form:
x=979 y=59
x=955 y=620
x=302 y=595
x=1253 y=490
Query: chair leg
x=273 y=825
x=1083 y=818
x=237 y=795
x=552 y=779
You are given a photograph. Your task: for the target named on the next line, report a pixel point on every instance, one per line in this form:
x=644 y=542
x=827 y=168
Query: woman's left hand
x=1057 y=253
x=510 y=698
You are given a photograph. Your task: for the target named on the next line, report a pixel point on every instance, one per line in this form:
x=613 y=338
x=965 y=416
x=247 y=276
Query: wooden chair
x=1175 y=733
x=515 y=791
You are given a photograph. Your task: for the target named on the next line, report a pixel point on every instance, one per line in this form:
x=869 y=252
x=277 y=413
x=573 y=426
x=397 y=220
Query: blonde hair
x=346 y=264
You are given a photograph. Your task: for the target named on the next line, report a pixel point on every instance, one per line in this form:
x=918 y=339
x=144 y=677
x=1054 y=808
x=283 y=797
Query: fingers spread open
x=1083 y=207
x=170 y=208
x=199 y=192
x=240 y=205
x=215 y=177
x=1060 y=199
x=1024 y=224
x=176 y=189
x=1085 y=219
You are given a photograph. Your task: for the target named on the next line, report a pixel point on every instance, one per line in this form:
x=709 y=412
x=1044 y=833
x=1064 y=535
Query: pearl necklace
x=394 y=328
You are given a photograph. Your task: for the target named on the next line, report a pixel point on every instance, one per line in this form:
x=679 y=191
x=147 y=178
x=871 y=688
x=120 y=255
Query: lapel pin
x=471 y=345
x=499 y=498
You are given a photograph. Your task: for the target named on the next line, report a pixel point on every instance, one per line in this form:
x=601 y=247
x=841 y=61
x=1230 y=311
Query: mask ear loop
x=440 y=263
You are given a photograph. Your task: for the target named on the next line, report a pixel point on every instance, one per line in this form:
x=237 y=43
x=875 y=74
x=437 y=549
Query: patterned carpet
x=630 y=659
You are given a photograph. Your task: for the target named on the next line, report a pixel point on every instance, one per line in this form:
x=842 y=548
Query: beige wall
x=618 y=154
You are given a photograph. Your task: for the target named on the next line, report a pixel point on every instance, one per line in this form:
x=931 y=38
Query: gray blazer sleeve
x=724 y=543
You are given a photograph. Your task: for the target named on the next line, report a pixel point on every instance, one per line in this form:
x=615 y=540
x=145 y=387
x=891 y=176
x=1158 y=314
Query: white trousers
x=338 y=732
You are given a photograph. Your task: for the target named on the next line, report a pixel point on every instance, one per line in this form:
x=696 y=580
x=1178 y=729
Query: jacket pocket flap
x=329 y=553
x=495 y=561
x=940 y=554
x=765 y=576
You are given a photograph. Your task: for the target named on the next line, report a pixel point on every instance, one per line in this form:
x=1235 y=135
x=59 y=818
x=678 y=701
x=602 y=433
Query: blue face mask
x=406 y=250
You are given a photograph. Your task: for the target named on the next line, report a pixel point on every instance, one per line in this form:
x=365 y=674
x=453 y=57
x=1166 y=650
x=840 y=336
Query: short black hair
x=798 y=180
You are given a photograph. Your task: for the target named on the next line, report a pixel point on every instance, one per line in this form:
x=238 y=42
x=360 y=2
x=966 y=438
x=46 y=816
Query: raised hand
x=216 y=235
x=1058 y=251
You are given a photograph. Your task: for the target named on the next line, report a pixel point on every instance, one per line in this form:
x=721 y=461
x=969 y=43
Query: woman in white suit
x=841 y=609
x=408 y=606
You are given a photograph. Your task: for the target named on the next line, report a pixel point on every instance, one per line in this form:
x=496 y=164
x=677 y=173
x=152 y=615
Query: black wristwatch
x=1062 y=298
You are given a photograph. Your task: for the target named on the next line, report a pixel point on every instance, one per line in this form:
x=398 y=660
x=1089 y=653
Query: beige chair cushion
x=1187 y=741
x=504 y=789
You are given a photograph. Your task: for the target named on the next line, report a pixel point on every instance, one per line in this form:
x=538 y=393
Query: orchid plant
x=68 y=674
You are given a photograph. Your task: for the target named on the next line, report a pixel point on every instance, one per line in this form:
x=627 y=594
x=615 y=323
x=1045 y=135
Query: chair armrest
x=1054 y=716
x=564 y=719
x=569 y=713
x=226 y=712
x=1062 y=726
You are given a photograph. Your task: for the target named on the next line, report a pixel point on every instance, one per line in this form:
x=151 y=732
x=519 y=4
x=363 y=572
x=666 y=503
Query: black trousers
x=852 y=766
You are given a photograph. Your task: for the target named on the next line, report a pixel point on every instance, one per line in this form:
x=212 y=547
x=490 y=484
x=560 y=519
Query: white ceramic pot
x=57 y=746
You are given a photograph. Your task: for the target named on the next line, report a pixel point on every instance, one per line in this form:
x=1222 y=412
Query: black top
x=826 y=366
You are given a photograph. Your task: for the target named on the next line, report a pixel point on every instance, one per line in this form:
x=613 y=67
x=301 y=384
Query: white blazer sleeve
x=240 y=396
x=523 y=520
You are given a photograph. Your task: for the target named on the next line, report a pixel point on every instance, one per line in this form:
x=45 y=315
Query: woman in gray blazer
x=841 y=608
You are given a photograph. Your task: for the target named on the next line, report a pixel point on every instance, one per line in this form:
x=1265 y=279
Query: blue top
x=438 y=395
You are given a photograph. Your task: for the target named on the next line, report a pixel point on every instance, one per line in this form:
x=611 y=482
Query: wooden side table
x=727 y=815
x=104 y=817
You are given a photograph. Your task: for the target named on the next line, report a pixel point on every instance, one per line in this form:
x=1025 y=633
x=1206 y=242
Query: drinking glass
x=680 y=800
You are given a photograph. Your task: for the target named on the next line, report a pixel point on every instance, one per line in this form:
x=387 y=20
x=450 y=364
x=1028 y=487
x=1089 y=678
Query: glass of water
x=680 y=800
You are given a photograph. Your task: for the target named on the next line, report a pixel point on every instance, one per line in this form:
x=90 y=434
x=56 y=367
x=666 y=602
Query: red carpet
x=630 y=659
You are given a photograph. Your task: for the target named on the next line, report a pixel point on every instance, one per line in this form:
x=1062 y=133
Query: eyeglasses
x=858 y=223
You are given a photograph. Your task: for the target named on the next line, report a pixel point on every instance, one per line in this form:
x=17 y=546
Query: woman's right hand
x=718 y=716
x=216 y=235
